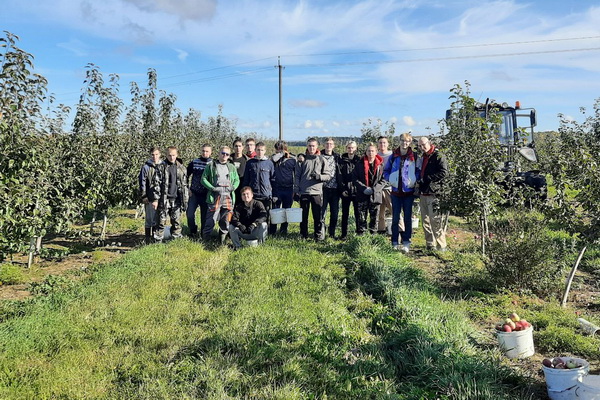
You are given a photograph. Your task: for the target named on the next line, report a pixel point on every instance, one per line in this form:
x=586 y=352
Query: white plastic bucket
x=388 y=225
x=588 y=387
x=252 y=243
x=293 y=214
x=415 y=222
x=278 y=215
x=562 y=383
x=517 y=344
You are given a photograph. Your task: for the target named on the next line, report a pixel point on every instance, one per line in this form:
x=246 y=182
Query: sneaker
x=442 y=249
x=405 y=248
x=396 y=247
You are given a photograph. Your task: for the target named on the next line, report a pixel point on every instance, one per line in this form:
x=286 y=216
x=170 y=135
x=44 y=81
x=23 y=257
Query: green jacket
x=209 y=181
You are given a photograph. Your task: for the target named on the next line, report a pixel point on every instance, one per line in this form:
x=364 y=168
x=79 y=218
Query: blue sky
x=345 y=61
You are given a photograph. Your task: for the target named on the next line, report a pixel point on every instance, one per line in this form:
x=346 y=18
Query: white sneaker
x=396 y=247
x=405 y=249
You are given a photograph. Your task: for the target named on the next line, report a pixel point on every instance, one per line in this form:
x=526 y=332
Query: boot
x=222 y=237
x=147 y=235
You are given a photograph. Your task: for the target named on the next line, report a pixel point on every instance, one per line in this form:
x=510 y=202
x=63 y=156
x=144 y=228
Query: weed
x=11 y=274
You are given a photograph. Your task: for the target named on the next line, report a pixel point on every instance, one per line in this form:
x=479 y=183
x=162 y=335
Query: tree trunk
x=104 y=222
x=32 y=243
x=92 y=223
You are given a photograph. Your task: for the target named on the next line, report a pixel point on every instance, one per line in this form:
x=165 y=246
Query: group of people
x=236 y=190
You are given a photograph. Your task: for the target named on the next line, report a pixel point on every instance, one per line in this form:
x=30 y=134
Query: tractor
x=516 y=138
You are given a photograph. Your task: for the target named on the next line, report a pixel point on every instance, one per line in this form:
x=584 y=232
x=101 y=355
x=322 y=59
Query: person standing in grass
x=400 y=172
x=346 y=165
x=283 y=182
x=386 y=203
x=239 y=159
x=259 y=174
x=221 y=179
x=249 y=221
x=308 y=186
x=173 y=194
x=149 y=189
x=433 y=169
x=331 y=194
x=195 y=169
x=368 y=183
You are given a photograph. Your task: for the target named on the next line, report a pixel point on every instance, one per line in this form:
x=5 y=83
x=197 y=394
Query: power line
x=444 y=47
x=443 y=58
x=224 y=76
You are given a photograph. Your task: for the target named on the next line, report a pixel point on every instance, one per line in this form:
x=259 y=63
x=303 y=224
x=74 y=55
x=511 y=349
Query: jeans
x=259 y=233
x=404 y=205
x=196 y=200
x=282 y=198
x=331 y=197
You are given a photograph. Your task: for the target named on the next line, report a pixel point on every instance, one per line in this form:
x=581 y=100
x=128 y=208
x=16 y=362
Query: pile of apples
x=561 y=363
x=512 y=324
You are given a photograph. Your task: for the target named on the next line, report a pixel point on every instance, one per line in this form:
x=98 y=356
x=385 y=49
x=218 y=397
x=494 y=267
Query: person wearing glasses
x=400 y=172
x=221 y=179
x=433 y=169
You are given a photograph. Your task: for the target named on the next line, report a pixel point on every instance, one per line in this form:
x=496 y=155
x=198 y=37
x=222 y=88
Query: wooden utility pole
x=280 y=67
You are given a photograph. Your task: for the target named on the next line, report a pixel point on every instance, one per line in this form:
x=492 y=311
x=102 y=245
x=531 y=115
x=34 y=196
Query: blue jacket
x=408 y=172
x=285 y=170
x=258 y=175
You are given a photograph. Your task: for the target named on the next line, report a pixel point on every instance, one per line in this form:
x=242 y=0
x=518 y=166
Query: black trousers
x=366 y=209
x=346 y=213
x=314 y=202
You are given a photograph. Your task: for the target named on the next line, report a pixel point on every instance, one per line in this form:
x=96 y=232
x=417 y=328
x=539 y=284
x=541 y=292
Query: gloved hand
x=368 y=191
x=250 y=228
x=345 y=193
x=219 y=189
x=296 y=197
x=314 y=177
x=242 y=228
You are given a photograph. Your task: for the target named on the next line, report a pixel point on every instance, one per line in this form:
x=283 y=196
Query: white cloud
x=314 y=124
x=184 y=9
x=408 y=120
x=182 y=55
x=76 y=47
x=307 y=103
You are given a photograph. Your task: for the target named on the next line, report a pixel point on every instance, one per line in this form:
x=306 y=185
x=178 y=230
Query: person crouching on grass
x=368 y=183
x=249 y=220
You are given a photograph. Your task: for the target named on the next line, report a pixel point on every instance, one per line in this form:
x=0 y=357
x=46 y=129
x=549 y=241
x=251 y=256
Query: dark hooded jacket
x=182 y=185
x=150 y=180
x=364 y=178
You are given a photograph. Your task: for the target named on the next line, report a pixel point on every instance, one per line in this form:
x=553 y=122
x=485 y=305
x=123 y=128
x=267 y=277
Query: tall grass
x=288 y=320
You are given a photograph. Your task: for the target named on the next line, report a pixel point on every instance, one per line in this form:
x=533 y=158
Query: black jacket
x=432 y=178
x=346 y=168
x=377 y=183
x=243 y=215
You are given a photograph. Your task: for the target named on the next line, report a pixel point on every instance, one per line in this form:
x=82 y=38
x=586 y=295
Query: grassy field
x=289 y=320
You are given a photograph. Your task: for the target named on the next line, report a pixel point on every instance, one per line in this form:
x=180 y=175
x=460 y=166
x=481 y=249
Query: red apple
x=547 y=363
x=506 y=328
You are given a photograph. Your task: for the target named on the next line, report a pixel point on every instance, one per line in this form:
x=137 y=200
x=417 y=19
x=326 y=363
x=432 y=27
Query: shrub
x=525 y=254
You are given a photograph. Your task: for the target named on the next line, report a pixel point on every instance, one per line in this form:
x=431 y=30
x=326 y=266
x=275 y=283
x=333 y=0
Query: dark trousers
x=196 y=200
x=282 y=198
x=331 y=198
x=314 y=202
x=346 y=213
x=367 y=209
